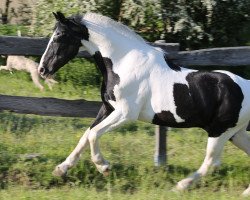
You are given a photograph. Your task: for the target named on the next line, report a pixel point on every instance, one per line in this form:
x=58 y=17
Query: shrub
x=80 y=72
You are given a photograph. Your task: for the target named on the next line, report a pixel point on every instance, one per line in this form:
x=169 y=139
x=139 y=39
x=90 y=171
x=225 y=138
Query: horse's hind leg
x=242 y=140
x=213 y=153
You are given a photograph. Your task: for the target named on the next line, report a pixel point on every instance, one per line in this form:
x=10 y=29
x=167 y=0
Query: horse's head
x=63 y=45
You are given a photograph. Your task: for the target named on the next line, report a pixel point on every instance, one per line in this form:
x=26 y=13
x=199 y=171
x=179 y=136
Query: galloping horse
x=141 y=83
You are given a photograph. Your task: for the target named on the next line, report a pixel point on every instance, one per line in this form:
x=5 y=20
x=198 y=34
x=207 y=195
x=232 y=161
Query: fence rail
x=49 y=106
x=229 y=56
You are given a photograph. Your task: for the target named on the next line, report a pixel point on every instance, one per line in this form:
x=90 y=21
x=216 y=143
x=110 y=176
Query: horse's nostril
x=42 y=70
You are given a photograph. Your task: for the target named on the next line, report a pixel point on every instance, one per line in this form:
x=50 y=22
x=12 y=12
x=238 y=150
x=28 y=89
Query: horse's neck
x=110 y=43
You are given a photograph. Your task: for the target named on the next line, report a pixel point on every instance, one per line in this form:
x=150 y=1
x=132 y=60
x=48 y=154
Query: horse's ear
x=59 y=16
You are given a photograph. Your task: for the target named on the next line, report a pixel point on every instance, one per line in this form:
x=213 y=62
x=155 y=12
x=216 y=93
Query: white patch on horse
x=162 y=82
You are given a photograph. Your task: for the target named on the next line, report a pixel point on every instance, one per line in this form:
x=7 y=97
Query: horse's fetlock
x=97 y=159
x=60 y=170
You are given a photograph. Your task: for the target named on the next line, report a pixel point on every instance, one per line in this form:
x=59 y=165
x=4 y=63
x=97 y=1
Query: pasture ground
x=129 y=149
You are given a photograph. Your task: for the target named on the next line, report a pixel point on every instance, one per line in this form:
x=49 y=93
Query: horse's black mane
x=73 y=26
x=76 y=18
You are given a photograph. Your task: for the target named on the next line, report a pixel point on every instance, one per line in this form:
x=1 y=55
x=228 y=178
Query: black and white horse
x=140 y=83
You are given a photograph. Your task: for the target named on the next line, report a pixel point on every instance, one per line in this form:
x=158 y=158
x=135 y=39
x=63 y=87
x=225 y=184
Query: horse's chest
x=110 y=78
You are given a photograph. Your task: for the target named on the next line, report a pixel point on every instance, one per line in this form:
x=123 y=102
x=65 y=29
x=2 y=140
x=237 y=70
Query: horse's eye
x=57 y=37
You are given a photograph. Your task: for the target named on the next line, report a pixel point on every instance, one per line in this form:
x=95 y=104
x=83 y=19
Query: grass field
x=129 y=149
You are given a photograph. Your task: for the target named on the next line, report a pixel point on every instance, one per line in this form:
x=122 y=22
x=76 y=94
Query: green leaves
x=195 y=24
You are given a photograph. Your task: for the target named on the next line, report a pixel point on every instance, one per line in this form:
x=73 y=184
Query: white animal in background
x=26 y=64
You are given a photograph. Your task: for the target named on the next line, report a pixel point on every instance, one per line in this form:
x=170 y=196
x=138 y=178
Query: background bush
x=80 y=72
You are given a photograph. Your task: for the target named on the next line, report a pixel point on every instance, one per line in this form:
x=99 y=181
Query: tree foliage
x=193 y=23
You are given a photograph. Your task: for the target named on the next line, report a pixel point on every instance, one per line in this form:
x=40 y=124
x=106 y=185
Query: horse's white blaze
x=46 y=50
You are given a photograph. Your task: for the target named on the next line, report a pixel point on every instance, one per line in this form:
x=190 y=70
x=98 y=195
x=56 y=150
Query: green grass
x=19 y=83
x=130 y=150
x=77 y=193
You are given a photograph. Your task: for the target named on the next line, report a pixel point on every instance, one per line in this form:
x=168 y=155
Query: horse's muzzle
x=43 y=72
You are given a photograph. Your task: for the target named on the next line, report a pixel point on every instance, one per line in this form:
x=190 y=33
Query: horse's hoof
x=178 y=189
x=183 y=184
x=106 y=172
x=104 y=168
x=59 y=172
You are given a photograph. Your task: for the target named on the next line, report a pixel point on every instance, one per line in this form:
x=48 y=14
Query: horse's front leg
x=115 y=119
x=106 y=119
x=72 y=159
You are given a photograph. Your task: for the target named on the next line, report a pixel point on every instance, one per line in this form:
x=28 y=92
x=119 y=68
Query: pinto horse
x=141 y=83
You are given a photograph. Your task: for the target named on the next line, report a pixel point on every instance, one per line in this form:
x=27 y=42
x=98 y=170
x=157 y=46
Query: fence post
x=160 y=156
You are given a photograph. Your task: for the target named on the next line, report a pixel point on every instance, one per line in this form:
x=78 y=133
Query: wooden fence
x=229 y=56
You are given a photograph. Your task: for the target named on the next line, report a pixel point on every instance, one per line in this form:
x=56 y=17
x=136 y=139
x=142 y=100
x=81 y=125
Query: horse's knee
x=92 y=137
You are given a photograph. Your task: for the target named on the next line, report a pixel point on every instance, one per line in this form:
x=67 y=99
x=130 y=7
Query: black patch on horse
x=170 y=63
x=164 y=118
x=219 y=97
x=185 y=108
x=110 y=79
x=212 y=101
x=104 y=112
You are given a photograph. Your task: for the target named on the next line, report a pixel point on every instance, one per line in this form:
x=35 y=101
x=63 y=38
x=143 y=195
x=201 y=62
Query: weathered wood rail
x=49 y=106
x=228 y=56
